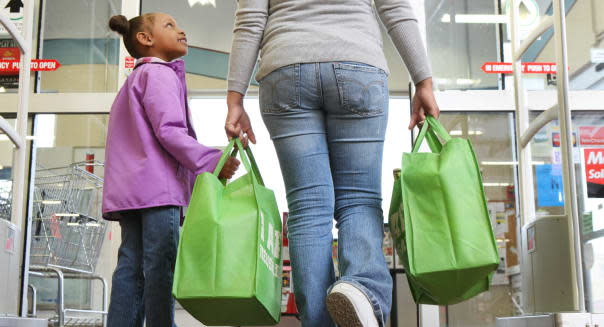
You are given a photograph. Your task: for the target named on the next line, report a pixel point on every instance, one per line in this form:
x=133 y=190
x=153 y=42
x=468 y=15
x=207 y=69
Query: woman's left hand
x=238 y=122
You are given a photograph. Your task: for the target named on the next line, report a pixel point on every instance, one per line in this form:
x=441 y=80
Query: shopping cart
x=67 y=234
x=67 y=227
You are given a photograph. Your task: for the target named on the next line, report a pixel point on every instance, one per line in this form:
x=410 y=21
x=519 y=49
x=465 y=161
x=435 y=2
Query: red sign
x=90 y=162
x=9 y=51
x=594 y=172
x=556 y=139
x=527 y=67
x=129 y=62
x=54 y=227
x=591 y=135
x=40 y=65
x=45 y=65
x=10 y=242
x=9 y=54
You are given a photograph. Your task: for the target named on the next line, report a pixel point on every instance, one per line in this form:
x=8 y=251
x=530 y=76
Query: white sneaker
x=349 y=307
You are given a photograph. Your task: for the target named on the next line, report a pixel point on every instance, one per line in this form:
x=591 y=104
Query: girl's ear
x=145 y=39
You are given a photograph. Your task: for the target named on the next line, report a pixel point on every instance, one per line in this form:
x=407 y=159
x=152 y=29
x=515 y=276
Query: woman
x=324 y=101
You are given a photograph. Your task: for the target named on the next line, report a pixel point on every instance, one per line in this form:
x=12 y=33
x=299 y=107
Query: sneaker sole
x=342 y=310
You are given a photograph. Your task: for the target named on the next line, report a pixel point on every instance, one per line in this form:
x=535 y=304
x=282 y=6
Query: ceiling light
x=481 y=19
x=202 y=2
x=466 y=81
x=496 y=184
x=446 y=18
x=50 y=202
x=458 y=133
x=499 y=163
x=67 y=215
x=507 y=163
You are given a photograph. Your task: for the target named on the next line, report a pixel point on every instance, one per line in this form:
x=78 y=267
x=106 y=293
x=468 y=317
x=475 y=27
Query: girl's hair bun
x=120 y=24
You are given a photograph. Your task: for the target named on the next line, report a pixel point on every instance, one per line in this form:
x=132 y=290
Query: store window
x=209 y=27
x=76 y=34
x=585 y=37
x=588 y=151
x=588 y=133
x=461 y=37
x=464 y=35
x=585 y=46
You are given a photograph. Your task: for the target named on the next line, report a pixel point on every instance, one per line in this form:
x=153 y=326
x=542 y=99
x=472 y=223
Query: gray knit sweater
x=303 y=31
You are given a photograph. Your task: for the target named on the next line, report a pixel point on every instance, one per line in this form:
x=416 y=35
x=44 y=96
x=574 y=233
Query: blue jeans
x=328 y=122
x=142 y=281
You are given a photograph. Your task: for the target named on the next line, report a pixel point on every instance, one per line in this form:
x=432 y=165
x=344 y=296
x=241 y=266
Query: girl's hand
x=238 y=122
x=229 y=168
x=423 y=103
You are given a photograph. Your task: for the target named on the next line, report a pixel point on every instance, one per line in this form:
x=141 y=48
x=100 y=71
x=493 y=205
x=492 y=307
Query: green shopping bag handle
x=431 y=128
x=433 y=141
x=253 y=167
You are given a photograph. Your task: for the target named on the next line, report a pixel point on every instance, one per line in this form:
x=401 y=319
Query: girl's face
x=169 y=41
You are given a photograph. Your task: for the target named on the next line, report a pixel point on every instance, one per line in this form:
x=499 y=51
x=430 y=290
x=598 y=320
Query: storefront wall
x=70 y=115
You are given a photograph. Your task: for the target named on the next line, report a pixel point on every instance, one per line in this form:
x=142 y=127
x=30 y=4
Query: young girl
x=152 y=158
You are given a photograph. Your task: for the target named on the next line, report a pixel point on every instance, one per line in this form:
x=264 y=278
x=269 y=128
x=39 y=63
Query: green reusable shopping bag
x=439 y=220
x=228 y=268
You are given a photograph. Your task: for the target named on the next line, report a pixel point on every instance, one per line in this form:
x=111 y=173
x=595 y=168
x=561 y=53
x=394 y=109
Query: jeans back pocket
x=362 y=88
x=280 y=90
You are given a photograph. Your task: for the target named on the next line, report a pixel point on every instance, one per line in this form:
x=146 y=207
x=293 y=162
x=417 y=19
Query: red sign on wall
x=9 y=51
x=9 y=54
x=594 y=172
x=527 y=67
x=129 y=62
x=591 y=135
x=556 y=139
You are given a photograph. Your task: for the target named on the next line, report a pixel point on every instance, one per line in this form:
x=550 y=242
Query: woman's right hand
x=238 y=122
x=424 y=103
